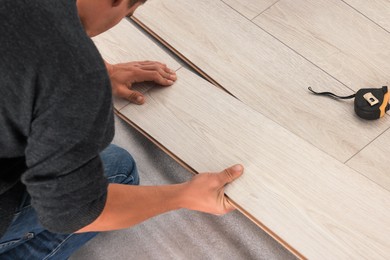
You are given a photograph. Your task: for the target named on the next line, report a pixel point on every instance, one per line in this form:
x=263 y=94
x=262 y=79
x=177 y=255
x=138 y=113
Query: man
x=60 y=180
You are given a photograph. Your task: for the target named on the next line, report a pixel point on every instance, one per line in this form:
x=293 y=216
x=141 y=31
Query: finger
x=153 y=66
x=153 y=76
x=230 y=174
x=164 y=72
x=131 y=95
x=136 y=97
x=148 y=62
x=167 y=76
x=141 y=64
x=172 y=73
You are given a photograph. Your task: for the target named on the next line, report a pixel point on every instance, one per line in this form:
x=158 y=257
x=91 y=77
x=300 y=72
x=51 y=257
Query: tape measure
x=370 y=103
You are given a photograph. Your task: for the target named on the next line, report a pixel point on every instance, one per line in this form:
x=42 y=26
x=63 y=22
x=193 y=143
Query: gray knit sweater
x=55 y=115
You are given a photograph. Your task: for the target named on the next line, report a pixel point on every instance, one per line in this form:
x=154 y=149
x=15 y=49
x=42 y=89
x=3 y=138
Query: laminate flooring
x=266 y=74
x=309 y=180
x=373 y=161
x=335 y=37
x=309 y=201
x=250 y=8
x=376 y=10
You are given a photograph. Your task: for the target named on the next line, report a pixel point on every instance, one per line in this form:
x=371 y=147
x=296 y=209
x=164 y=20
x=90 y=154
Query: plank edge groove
x=178 y=54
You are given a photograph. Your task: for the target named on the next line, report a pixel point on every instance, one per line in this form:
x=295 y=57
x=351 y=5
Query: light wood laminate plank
x=250 y=8
x=373 y=160
x=261 y=72
x=335 y=37
x=125 y=43
x=377 y=10
x=314 y=203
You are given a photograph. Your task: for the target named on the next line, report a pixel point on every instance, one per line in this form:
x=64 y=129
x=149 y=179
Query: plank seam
x=388 y=129
x=365 y=16
x=244 y=15
x=296 y=52
x=269 y=7
x=152 y=38
x=358 y=171
x=179 y=55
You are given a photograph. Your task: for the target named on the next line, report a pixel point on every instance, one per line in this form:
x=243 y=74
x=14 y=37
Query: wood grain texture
x=261 y=72
x=373 y=161
x=376 y=10
x=250 y=8
x=125 y=43
x=335 y=37
x=319 y=206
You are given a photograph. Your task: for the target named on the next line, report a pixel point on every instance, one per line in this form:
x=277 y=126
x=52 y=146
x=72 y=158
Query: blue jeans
x=27 y=239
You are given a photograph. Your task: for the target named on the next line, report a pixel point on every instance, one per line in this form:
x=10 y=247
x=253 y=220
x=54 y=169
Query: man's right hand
x=128 y=205
x=205 y=192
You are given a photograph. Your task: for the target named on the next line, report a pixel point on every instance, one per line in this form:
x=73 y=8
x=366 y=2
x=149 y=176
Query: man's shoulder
x=46 y=30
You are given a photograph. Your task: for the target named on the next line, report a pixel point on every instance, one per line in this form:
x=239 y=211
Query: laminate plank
x=373 y=161
x=335 y=37
x=314 y=203
x=250 y=8
x=261 y=72
x=124 y=43
x=377 y=10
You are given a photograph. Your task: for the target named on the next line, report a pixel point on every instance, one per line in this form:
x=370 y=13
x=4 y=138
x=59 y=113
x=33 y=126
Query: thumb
x=131 y=95
x=232 y=173
x=135 y=97
x=123 y=91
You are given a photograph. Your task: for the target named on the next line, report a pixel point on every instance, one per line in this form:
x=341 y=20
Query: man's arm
x=124 y=75
x=128 y=205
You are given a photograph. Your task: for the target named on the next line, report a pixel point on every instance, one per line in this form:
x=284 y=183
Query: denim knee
x=119 y=166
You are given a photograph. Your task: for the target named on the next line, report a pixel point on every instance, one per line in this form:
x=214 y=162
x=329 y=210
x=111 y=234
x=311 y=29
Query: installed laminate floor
x=376 y=10
x=293 y=189
x=333 y=36
x=250 y=8
x=317 y=206
x=373 y=160
x=263 y=72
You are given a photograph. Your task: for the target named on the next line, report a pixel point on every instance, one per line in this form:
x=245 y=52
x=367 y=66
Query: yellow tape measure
x=370 y=103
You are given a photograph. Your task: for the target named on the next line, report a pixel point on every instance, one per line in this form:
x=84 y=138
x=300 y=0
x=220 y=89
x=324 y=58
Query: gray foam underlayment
x=181 y=234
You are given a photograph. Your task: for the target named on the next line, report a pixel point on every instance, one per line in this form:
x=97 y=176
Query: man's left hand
x=124 y=75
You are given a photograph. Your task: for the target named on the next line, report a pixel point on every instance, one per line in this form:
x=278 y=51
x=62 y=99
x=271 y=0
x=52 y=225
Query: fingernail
x=237 y=167
x=140 y=99
x=170 y=82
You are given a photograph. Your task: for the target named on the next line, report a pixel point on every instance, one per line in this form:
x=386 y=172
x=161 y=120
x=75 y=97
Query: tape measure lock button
x=371 y=99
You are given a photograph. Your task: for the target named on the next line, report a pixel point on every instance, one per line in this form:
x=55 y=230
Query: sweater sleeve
x=70 y=127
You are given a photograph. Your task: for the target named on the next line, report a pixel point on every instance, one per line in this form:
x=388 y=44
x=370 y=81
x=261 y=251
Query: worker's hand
x=124 y=75
x=205 y=192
